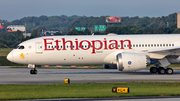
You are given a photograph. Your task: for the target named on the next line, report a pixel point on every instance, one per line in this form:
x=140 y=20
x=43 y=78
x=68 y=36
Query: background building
x=178 y=20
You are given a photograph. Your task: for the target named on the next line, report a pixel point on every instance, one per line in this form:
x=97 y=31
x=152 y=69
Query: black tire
x=153 y=70
x=31 y=72
x=35 y=71
x=169 y=71
x=161 y=70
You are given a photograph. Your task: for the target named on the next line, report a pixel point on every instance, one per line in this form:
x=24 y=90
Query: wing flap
x=169 y=49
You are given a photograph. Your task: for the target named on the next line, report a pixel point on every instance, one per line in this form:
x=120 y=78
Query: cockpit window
x=21 y=47
x=16 y=47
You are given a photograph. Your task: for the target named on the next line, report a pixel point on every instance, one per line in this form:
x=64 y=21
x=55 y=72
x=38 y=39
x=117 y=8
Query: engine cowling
x=132 y=61
x=110 y=66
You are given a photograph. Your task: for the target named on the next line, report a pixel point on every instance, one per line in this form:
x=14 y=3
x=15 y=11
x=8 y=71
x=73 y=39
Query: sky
x=17 y=9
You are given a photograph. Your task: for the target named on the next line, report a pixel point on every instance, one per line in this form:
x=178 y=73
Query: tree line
x=128 y=25
x=52 y=23
x=89 y=22
x=120 y=30
x=11 y=40
x=68 y=23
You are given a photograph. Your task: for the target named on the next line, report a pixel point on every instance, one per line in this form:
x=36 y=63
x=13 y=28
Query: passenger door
x=39 y=49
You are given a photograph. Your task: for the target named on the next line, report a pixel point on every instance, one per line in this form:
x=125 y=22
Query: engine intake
x=132 y=61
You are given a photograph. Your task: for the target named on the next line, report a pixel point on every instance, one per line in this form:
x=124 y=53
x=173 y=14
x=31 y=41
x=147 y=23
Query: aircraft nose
x=10 y=56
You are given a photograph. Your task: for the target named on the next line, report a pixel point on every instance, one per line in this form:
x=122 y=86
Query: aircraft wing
x=163 y=52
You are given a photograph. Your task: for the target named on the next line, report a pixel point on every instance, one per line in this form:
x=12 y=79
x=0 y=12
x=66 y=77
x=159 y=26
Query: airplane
x=121 y=52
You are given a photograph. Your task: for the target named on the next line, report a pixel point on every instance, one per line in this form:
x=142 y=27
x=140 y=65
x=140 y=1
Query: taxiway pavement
x=48 y=76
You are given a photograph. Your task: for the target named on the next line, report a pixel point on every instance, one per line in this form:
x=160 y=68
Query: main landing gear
x=161 y=70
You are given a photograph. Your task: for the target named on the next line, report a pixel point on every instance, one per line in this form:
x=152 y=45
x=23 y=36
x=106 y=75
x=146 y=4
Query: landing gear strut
x=161 y=70
x=33 y=71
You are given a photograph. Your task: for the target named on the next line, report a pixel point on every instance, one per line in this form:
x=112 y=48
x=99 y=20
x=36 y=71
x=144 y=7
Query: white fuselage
x=95 y=49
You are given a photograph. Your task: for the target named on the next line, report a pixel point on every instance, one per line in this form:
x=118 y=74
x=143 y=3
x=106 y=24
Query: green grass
x=87 y=90
x=5 y=51
x=3 y=61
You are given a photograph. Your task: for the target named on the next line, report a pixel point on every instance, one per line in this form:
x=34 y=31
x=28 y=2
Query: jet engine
x=132 y=61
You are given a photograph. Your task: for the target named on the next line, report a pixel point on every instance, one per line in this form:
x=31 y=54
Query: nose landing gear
x=33 y=71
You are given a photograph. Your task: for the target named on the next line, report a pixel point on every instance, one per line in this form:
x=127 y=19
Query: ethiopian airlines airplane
x=123 y=52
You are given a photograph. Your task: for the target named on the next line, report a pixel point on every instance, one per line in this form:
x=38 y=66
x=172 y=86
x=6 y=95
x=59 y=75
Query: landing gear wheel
x=169 y=71
x=33 y=71
x=153 y=70
x=161 y=70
